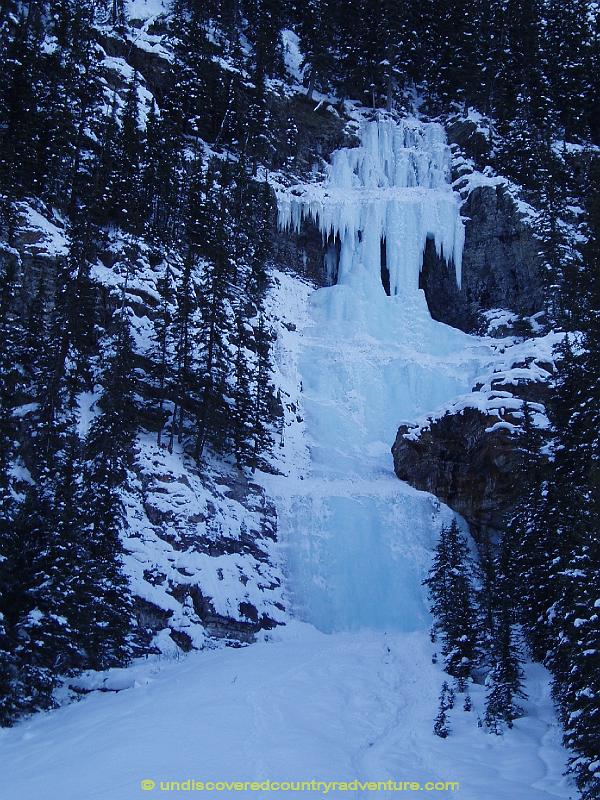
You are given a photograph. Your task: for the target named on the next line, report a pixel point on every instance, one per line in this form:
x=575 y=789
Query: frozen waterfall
x=356 y=540
x=386 y=196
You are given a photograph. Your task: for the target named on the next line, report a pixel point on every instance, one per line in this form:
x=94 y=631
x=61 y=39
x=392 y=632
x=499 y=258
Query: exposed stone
x=157 y=516
x=469 y=137
x=224 y=627
x=320 y=132
x=150 y=619
x=302 y=252
x=468 y=468
x=152 y=66
x=182 y=640
x=501 y=264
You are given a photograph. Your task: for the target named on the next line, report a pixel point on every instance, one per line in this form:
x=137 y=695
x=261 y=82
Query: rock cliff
x=501 y=264
x=463 y=464
x=467 y=453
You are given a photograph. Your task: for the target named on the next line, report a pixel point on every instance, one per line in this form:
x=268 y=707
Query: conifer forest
x=300 y=398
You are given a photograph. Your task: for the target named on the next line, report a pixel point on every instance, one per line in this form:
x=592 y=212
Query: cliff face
x=464 y=465
x=467 y=456
x=501 y=265
x=199 y=541
x=467 y=453
x=200 y=544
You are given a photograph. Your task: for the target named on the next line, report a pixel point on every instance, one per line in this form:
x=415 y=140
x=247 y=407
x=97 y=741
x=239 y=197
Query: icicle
x=395 y=188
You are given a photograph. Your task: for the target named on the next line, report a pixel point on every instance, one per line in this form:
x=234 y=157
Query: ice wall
x=356 y=541
x=393 y=188
x=357 y=363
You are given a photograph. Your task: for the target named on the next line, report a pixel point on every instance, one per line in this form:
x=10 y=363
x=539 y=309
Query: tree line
x=134 y=187
x=535 y=592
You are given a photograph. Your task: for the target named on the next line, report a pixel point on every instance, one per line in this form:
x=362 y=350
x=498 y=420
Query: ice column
x=393 y=188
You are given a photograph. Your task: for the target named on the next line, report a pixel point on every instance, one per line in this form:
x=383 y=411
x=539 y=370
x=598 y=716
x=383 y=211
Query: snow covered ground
x=310 y=706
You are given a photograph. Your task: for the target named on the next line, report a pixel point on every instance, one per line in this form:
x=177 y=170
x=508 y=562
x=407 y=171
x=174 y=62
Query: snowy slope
x=308 y=707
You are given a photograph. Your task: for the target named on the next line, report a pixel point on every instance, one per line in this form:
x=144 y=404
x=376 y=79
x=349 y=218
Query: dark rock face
x=501 y=264
x=466 y=134
x=447 y=303
x=470 y=470
x=154 y=69
x=303 y=252
x=320 y=131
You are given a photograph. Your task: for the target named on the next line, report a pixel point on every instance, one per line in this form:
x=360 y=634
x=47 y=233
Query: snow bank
x=308 y=707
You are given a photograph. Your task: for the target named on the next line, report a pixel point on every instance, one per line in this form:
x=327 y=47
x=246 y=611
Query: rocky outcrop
x=320 y=131
x=501 y=263
x=302 y=252
x=470 y=469
x=199 y=552
x=152 y=66
x=467 y=453
x=470 y=137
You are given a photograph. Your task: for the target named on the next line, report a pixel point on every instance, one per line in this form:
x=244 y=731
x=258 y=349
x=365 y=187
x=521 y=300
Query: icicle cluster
x=394 y=188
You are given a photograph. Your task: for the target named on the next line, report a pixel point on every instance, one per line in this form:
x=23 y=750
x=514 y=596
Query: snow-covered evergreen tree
x=452 y=602
x=505 y=680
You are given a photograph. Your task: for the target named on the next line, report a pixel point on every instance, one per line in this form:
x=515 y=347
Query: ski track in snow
x=306 y=706
x=349 y=692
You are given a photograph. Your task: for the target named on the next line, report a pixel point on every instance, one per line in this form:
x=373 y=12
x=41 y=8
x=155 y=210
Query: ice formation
x=381 y=201
x=357 y=540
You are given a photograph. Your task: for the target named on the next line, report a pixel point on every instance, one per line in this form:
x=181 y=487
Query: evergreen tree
x=117 y=13
x=101 y=192
x=185 y=382
x=162 y=178
x=76 y=312
x=21 y=114
x=44 y=560
x=316 y=36
x=441 y=726
x=10 y=385
x=486 y=597
x=215 y=400
x=526 y=547
x=505 y=681
x=257 y=137
x=569 y=56
x=192 y=101
x=163 y=365
x=450 y=588
x=263 y=396
x=109 y=456
x=127 y=177
x=572 y=513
